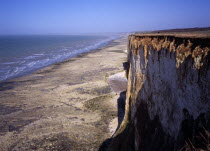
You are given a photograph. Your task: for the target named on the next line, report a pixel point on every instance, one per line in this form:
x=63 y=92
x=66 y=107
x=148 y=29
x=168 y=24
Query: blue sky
x=93 y=16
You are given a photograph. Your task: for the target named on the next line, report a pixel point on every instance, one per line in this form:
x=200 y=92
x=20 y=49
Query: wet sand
x=66 y=106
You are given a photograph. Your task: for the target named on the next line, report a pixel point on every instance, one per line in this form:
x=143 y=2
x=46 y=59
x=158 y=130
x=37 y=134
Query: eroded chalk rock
x=168 y=94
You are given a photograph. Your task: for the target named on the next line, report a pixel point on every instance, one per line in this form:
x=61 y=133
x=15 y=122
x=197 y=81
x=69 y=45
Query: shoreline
x=103 y=46
x=66 y=105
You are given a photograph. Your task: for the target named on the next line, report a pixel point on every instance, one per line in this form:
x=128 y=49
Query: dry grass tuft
x=204 y=141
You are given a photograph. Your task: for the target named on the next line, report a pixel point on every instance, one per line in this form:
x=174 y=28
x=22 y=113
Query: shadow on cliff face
x=151 y=136
x=120 y=113
x=121 y=107
x=193 y=133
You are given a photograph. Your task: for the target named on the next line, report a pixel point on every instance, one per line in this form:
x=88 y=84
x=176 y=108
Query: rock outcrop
x=168 y=94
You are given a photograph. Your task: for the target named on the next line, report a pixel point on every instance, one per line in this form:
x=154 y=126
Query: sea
x=24 y=54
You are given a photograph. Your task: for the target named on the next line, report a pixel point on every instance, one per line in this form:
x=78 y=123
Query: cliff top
x=195 y=43
x=182 y=33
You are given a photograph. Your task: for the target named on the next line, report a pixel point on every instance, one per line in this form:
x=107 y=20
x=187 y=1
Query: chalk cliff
x=168 y=94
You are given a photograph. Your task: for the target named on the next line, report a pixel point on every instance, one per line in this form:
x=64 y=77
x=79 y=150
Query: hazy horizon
x=67 y=17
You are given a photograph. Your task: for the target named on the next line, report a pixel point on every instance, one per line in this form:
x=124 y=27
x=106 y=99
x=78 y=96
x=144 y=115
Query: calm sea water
x=20 y=55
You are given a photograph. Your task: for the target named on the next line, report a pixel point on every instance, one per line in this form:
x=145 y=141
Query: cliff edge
x=168 y=94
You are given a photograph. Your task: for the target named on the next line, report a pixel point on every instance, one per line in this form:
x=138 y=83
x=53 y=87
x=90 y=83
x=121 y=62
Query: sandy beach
x=66 y=106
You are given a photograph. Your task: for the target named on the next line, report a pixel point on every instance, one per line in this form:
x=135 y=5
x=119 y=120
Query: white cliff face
x=172 y=80
x=167 y=90
x=168 y=93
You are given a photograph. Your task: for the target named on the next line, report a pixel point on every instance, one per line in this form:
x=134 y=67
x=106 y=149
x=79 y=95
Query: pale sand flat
x=64 y=106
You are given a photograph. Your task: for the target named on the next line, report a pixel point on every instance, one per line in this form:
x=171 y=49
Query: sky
x=99 y=16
